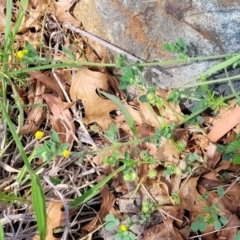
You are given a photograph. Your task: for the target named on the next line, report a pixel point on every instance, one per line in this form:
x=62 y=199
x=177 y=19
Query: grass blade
x=20 y=108
x=24 y=169
x=39 y=205
x=7 y=29
x=94 y=190
x=15 y=137
x=37 y=192
x=1 y=231
x=21 y=12
x=221 y=65
x=124 y=111
x=237 y=236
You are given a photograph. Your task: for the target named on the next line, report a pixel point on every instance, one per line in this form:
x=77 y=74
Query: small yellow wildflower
x=22 y=53
x=66 y=153
x=178 y=171
x=39 y=134
x=123 y=228
x=207 y=217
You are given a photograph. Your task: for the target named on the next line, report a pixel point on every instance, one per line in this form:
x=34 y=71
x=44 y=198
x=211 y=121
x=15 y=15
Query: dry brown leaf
x=228 y=232
x=61 y=120
x=2 y=15
x=213 y=198
x=181 y=134
x=167 y=152
x=129 y=203
x=96 y=109
x=31 y=20
x=212 y=155
x=224 y=125
x=201 y=141
x=175 y=182
x=143 y=171
x=163 y=231
x=107 y=204
x=171 y=110
x=61 y=11
x=113 y=83
x=223 y=165
x=55 y=218
x=159 y=191
x=49 y=82
x=232 y=200
x=36 y=114
x=65 y=76
x=145 y=131
x=148 y=116
x=32 y=37
x=190 y=198
x=209 y=181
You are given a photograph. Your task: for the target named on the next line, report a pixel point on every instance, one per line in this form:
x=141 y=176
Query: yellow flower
x=178 y=171
x=123 y=228
x=22 y=53
x=207 y=217
x=66 y=153
x=39 y=134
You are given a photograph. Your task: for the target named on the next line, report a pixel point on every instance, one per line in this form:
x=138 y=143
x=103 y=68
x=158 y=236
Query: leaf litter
x=198 y=190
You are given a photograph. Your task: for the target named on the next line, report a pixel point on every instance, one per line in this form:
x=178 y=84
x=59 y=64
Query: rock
x=223 y=88
x=209 y=27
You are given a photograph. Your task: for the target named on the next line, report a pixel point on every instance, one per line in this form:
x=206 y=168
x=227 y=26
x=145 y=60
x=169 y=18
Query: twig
x=114 y=48
x=214 y=232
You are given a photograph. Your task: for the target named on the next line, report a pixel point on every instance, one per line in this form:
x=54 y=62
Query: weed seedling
x=51 y=148
x=179 y=47
x=131 y=75
x=123 y=232
x=231 y=151
x=147 y=209
x=176 y=198
x=211 y=217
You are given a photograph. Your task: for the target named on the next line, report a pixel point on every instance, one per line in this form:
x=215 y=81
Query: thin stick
x=114 y=48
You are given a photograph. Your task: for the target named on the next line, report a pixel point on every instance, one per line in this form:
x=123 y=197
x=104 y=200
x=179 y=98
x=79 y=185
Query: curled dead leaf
x=163 y=231
x=61 y=11
x=167 y=152
x=35 y=114
x=84 y=85
x=225 y=124
x=61 y=120
x=48 y=81
x=190 y=198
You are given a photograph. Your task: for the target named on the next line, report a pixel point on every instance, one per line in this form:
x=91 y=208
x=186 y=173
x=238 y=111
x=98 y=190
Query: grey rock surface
x=141 y=27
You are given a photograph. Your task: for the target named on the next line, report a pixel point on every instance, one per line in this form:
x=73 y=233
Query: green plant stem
x=1 y=231
x=208 y=82
x=231 y=86
x=193 y=115
x=172 y=62
x=80 y=64
x=117 y=146
x=60 y=65
x=230 y=96
x=93 y=191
